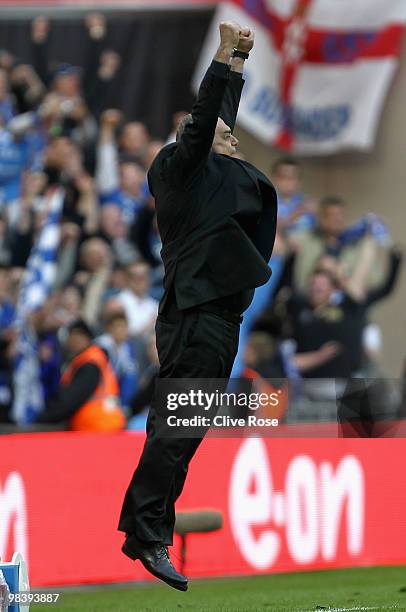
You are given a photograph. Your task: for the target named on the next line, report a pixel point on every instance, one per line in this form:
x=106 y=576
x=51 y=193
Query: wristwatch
x=242 y=54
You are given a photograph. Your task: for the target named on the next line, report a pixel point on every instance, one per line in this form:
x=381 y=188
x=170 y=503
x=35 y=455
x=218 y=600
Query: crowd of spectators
x=55 y=131
x=316 y=326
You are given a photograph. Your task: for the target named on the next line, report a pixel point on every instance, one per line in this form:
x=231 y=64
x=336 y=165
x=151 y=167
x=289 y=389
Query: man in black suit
x=217 y=220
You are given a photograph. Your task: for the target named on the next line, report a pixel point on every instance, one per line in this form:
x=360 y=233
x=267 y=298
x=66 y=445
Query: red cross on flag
x=317 y=77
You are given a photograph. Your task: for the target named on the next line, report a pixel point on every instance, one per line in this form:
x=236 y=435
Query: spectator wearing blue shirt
x=116 y=343
x=352 y=245
x=129 y=195
x=7 y=308
x=121 y=181
x=20 y=148
x=296 y=211
x=15 y=157
x=7 y=107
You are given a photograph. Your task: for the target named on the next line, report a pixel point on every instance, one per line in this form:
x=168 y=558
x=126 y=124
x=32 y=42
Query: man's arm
x=313 y=359
x=40 y=47
x=389 y=282
x=197 y=138
x=356 y=285
x=107 y=166
x=231 y=99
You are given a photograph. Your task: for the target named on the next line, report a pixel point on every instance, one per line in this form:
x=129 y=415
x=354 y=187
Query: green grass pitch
x=365 y=589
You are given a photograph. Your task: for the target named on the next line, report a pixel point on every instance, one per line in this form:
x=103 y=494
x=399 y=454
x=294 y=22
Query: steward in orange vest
x=88 y=395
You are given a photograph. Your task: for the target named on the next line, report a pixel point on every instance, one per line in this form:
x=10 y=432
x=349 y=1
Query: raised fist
x=96 y=24
x=229 y=33
x=111 y=118
x=246 y=40
x=109 y=64
x=39 y=29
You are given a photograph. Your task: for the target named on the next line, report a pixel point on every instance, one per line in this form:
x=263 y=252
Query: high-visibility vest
x=101 y=412
x=261 y=385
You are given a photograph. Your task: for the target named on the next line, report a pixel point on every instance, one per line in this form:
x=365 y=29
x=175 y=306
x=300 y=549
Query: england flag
x=319 y=72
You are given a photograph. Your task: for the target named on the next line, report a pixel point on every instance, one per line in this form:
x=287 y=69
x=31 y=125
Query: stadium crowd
x=56 y=132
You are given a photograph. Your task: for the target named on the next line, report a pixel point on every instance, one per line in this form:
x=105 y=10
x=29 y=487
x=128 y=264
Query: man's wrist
x=224 y=53
x=237 y=64
x=240 y=53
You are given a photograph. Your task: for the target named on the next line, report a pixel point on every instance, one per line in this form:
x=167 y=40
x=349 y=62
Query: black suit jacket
x=216 y=214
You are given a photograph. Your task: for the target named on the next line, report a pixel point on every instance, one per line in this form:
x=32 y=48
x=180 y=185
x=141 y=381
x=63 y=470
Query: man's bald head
x=224 y=142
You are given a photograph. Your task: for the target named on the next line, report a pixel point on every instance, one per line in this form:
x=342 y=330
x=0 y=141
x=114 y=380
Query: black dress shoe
x=155 y=558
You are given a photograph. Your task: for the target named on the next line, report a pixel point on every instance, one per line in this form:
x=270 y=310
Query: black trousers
x=191 y=344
